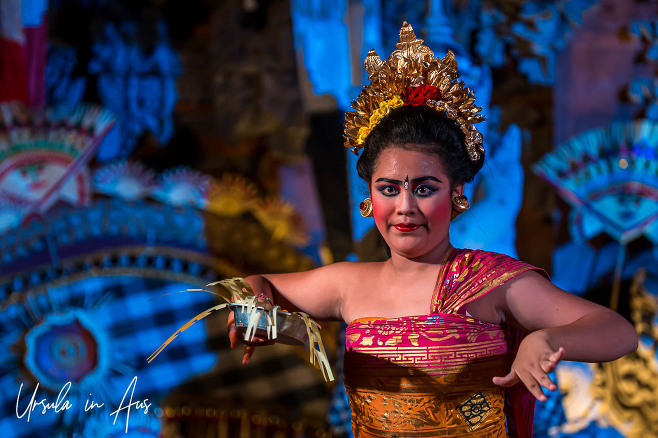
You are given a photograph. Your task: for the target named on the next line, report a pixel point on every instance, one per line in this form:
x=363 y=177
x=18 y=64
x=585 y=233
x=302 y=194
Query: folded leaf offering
x=254 y=318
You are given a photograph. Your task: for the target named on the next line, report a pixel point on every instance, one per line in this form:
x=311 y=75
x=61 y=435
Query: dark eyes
x=423 y=190
x=420 y=191
x=389 y=190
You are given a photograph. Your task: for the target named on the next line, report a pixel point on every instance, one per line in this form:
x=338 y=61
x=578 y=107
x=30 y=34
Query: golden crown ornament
x=413 y=76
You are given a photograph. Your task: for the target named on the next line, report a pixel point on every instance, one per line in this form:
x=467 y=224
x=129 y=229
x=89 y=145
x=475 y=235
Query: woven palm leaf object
x=610 y=176
x=238 y=294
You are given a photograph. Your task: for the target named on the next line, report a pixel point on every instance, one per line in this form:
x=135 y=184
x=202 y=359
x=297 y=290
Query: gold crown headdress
x=413 y=76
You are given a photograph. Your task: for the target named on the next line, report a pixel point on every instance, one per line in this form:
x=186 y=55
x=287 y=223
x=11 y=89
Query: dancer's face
x=412 y=201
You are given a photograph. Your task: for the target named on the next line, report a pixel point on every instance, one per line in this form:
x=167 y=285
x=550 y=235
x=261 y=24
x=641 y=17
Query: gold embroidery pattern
x=430 y=375
x=414 y=384
x=376 y=415
x=475 y=409
x=436 y=346
x=465 y=278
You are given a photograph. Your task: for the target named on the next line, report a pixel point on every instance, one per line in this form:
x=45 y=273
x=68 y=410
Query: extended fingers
x=510 y=379
x=250 y=348
x=232 y=330
x=248 y=352
x=549 y=365
x=557 y=356
x=529 y=380
x=233 y=337
x=543 y=379
x=533 y=384
x=533 y=380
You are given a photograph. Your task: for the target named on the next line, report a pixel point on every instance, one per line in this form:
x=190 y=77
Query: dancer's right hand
x=534 y=361
x=236 y=336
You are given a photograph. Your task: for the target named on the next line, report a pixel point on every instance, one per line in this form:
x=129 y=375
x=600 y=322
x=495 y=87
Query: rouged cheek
x=379 y=211
x=438 y=212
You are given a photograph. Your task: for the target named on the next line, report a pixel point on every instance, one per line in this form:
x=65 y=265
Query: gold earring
x=460 y=203
x=366 y=207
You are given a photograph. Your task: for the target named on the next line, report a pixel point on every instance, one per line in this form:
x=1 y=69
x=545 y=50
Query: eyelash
x=430 y=191
x=392 y=191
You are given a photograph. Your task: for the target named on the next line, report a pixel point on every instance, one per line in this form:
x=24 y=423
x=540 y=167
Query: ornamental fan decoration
x=610 y=176
x=413 y=76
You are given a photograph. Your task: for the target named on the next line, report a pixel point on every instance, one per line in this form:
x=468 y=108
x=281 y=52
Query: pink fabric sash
x=440 y=364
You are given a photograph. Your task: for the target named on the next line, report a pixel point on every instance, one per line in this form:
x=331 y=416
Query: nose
x=407 y=204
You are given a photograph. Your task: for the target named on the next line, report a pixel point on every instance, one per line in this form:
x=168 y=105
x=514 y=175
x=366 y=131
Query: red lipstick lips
x=406 y=228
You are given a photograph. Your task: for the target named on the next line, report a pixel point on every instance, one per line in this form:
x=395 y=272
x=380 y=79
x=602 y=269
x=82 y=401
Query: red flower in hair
x=419 y=95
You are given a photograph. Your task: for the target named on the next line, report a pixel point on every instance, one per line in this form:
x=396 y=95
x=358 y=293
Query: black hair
x=424 y=129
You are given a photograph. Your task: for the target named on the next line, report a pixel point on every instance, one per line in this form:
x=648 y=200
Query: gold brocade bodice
x=431 y=375
x=425 y=376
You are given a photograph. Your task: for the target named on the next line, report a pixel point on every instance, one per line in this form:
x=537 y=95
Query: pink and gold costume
x=430 y=375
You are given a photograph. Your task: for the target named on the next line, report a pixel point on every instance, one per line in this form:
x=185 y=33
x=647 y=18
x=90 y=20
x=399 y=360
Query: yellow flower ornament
x=377 y=115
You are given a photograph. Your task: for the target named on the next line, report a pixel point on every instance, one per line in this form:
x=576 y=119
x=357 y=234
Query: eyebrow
x=415 y=180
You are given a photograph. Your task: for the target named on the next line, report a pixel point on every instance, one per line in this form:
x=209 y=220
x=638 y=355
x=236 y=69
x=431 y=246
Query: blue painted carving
x=372 y=36
x=593 y=430
x=541 y=29
x=440 y=35
x=490 y=223
x=531 y=32
x=644 y=92
x=552 y=25
x=396 y=12
x=67 y=347
x=69 y=230
x=321 y=41
x=139 y=87
x=95 y=333
x=61 y=87
x=71 y=319
x=489 y=46
x=647 y=31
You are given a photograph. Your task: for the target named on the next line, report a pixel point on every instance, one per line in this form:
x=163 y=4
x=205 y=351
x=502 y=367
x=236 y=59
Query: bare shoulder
x=529 y=281
x=351 y=274
x=355 y=268
x=319 y=292
x=494 y=306
x=535 y=302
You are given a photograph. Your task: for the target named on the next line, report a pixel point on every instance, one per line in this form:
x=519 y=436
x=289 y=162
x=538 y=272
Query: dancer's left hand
x=534 y=361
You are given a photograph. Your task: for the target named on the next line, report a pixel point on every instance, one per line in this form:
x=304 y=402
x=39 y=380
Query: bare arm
x=563 y=326
x=587 y=331
x=318 y=292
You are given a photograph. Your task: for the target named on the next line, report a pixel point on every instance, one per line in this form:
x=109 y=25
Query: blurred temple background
x=151 y=146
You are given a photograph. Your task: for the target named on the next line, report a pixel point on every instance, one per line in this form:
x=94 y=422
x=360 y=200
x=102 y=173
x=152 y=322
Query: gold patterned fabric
x=431 y=375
